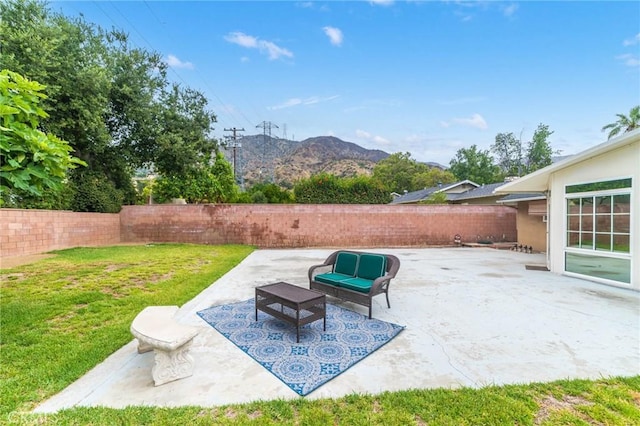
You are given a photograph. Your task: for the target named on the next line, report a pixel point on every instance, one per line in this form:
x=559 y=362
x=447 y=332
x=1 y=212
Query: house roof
x=538 y=181
x=416 y=196
x=479 y=192
x=524 y=196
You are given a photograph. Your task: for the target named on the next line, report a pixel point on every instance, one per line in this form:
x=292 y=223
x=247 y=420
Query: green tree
x=539 y=151
x=71 y=58
x=436 y=198
x=184 y=141
x=325 y=188
x=200 y=184
x=32 y=162
x=397 y=172
x=134 y=108
x=475 y=165
x=112 y=102
x=624 y=123
x=263 y=193
x=432 y=178
x=508 y=151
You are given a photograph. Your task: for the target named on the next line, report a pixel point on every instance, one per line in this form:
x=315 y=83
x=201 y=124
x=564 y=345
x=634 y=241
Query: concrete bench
x=157 y=330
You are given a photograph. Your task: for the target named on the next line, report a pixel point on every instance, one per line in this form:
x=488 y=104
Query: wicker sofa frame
x=379 y=286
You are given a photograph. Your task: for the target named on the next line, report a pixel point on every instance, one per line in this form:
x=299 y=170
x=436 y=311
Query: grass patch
x=63 y=315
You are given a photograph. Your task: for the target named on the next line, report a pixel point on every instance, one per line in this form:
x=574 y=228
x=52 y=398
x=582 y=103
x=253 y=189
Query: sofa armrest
x=330 y=261
x=316 y=269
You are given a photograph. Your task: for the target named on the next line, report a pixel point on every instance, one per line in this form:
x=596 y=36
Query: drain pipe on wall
x=547 y=194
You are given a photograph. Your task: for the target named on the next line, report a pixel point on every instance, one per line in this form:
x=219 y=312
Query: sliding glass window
x=598 y=228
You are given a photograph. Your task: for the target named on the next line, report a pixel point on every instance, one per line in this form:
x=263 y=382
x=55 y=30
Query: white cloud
x=272 y=50
x=334 y=34
x=242 y=39
x=476 y=121
x=629 y=60
x=378 y=140
x=462 y=101
x=468 y=10
x=382 y=2
x=509 y=10
x=174 y=62
x=297 y=101
x=287 y=104
x=631 y=41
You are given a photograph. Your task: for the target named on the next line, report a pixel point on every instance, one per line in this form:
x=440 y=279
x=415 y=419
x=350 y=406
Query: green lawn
x=61 y=316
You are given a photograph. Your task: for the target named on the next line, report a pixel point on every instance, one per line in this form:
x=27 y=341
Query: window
x=598 y=228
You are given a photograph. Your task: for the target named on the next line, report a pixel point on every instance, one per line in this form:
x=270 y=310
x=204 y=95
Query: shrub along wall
x=319 y=225
x=24 y=232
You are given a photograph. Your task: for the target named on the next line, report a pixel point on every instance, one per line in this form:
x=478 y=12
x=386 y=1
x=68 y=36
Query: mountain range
x=262 y=158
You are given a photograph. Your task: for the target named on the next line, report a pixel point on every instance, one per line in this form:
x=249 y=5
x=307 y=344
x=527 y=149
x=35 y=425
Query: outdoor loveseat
x=355 y=276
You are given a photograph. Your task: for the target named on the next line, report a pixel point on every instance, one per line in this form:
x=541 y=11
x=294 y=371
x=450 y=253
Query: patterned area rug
x=319 y=357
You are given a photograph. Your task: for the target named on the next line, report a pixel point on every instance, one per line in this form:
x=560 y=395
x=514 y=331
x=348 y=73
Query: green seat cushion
x=346 y=263
x=371 y=266
x=331 y=278
x=357 y=284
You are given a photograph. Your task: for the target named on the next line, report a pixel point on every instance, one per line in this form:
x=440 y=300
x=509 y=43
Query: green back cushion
x=371 y=266
x=346 y=263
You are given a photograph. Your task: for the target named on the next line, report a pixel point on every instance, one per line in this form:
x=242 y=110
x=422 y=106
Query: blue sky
x=424 y=77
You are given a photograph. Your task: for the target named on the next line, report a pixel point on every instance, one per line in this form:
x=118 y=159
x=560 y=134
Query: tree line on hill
x=82 y=110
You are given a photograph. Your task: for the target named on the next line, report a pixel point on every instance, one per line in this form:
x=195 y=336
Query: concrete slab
x=473 y=317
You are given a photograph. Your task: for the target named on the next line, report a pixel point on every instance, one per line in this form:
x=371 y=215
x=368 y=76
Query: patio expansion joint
x=450 y=362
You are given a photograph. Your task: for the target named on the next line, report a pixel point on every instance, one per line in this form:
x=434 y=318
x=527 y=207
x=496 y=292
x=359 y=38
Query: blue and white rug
x=319 y=357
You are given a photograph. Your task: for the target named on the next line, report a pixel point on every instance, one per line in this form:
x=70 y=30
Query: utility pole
x=235 y=145
x=266 y=128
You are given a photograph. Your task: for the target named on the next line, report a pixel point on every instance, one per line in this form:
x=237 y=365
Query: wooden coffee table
x=305 y=306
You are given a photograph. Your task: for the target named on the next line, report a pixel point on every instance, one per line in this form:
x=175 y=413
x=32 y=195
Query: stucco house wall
x=532 y=230
x=617 y=164
x=614 y=160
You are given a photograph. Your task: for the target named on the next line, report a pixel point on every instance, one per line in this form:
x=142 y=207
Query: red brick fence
x=25 y=232
x=264 y=225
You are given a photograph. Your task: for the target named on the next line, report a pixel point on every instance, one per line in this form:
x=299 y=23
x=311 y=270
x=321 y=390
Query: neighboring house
x=483 y=194
x=593 y=204
x=531 y=219
x=451 y=189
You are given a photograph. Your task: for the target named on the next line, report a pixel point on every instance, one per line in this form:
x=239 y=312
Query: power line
x=237 y=155
x=268 y=161
x=221 y=103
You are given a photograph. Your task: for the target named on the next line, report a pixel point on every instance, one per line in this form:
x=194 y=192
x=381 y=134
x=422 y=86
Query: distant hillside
x=283 y=161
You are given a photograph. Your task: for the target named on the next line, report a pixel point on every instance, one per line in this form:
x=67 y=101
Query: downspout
x=547 y=194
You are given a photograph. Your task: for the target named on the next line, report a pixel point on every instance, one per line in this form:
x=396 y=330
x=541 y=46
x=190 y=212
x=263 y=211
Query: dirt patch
x=13 y=261
x=550 y=405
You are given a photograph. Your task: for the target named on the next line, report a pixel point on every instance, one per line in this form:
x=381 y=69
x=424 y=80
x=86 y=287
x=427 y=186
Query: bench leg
x=144 y=347
x=174 y=365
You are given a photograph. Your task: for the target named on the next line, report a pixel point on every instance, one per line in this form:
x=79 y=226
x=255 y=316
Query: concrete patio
x=474 y=317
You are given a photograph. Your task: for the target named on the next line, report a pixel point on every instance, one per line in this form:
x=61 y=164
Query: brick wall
x=273 y=226
x=24 y=232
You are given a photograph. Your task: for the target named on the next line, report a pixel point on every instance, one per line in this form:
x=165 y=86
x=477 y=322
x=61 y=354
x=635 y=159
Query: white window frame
x=592 y=251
